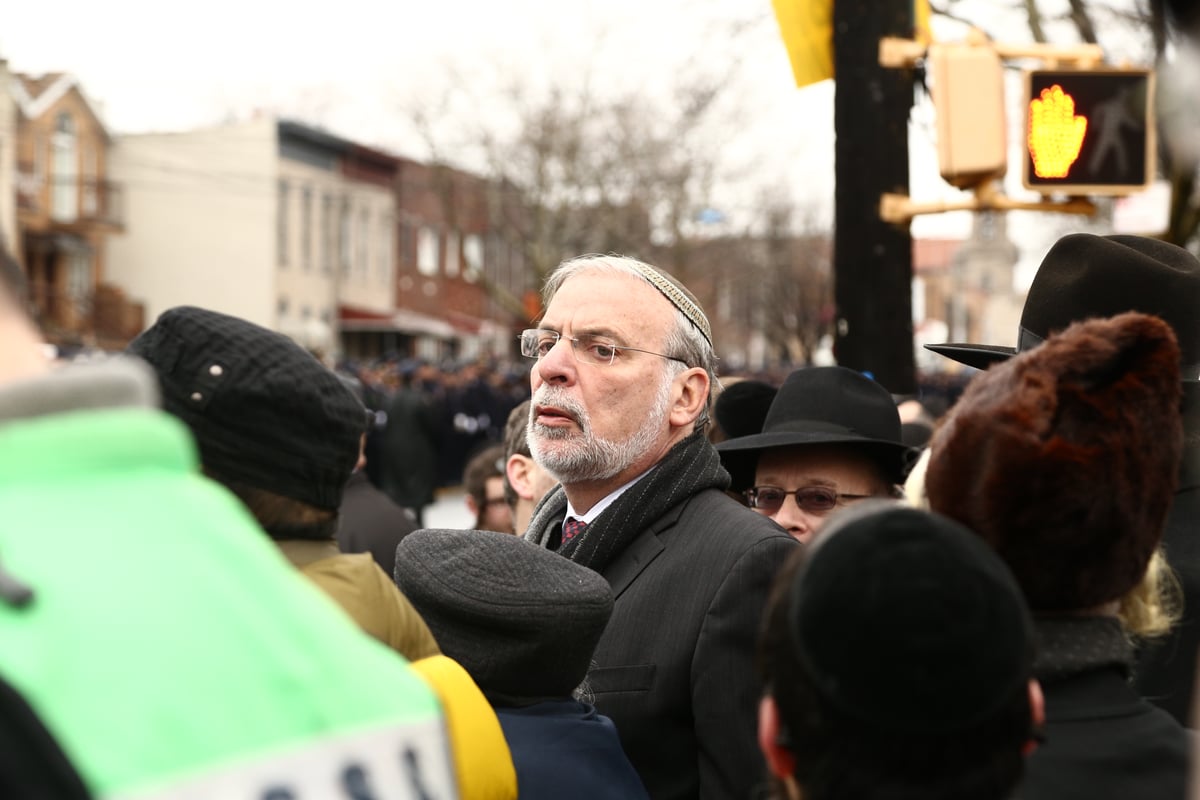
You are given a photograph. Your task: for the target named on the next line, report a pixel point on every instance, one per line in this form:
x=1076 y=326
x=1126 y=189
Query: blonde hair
x=1153 y=607
x=914 y=484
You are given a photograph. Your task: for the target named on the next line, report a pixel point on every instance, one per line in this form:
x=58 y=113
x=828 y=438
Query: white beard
x=579 y=457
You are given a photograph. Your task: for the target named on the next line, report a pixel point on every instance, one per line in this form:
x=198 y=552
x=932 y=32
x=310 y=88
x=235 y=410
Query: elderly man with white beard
x=621 y=388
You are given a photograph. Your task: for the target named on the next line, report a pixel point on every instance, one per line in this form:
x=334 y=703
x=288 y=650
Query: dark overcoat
x=675 y=667
x=1165 y=672
x=370 y=522
x=1103 y=742
x=564 y=749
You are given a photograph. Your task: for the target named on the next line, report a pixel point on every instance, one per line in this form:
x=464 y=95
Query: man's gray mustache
x=561 y=403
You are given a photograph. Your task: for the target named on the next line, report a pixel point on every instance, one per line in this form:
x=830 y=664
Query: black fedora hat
x=1085 y=276
x=823 y=405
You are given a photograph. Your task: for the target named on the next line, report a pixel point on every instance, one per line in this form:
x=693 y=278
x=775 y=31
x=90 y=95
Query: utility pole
x=872 y=258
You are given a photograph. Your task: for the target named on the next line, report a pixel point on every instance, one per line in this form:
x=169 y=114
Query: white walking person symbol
x=1108 y=120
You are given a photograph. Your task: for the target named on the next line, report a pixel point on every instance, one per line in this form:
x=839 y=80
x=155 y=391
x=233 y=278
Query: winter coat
x=166 y=644
x=357 y=584
x=563 y=748
x=370 y=522
x=1102 y=741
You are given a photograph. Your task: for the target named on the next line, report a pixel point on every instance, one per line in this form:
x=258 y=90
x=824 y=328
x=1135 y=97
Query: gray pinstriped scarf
x=690 y=467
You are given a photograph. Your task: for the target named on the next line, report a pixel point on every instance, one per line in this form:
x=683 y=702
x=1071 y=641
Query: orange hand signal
x=1055 y=133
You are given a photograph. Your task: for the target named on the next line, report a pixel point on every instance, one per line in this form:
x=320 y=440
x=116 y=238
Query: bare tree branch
x=1083 y=21
x=1034 y=15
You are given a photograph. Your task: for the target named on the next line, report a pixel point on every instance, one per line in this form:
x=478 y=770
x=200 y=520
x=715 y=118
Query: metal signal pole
x=872 y=258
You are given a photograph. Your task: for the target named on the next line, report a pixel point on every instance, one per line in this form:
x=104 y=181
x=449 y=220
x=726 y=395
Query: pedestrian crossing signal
x=1089 y=131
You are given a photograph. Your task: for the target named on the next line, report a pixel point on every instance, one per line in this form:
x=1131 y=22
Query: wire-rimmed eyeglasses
x=812 y=499
x=588 y=348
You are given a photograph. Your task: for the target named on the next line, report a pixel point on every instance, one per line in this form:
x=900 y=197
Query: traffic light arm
x=899 y=53
x=900 y=209
x=1081 y=55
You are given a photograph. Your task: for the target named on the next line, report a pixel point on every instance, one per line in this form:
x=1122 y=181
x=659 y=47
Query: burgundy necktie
x=572 y=528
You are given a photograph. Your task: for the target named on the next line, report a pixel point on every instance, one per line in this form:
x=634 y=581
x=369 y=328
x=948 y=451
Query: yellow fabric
x=922 y=30
x=807 y=28
x=482 y=761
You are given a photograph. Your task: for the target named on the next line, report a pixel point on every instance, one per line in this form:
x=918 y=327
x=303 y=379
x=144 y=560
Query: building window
x=385 y=254
x=91 y=179
x=344 y=238
x=473 y=256
x=452 y=245
x=364 y=243
x=306 y=230
x=281 y=224
x=328 y=235
x=79 y=278
x=64 y=195
x=427 y=251
x=281 y=307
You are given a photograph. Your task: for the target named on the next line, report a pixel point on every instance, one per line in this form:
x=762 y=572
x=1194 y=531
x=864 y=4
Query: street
x=449 y=510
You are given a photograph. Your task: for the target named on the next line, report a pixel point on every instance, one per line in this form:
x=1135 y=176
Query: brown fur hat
x=1064 y=459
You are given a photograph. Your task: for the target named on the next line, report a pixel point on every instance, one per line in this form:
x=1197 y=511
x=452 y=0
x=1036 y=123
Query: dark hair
x=841 y=759
x=515 y=443
x=487 y=463
x=282 y=517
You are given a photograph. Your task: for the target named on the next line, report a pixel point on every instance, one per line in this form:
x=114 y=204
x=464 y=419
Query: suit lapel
x=633 y=559
x=640 y=552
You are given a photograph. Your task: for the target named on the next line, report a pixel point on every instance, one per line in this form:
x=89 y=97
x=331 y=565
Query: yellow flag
x=807 y=28
x=921 y=29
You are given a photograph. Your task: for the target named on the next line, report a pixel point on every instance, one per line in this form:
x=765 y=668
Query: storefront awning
x=401 y=321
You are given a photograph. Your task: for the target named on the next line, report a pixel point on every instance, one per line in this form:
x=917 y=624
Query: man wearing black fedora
x=831 y=437
x=1085 y=276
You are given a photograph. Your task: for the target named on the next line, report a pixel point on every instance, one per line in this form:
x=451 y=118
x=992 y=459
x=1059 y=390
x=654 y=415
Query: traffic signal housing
x=968 y=95
x=1089 y=131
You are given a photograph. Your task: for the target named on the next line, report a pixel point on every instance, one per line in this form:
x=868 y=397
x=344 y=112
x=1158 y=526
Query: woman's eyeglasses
x=812 y=499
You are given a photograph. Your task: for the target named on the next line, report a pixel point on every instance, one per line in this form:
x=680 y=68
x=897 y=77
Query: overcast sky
x=353 y=65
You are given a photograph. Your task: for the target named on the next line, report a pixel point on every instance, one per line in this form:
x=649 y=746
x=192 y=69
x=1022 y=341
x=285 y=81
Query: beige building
x=268 y=220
